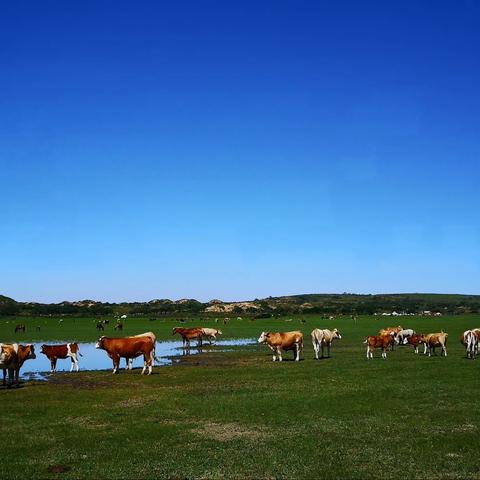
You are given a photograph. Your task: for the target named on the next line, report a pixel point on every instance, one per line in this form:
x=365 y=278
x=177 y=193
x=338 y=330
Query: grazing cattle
x=320 y=338
x=100 y=326
x=415 y=341
x=68 y=350
x=153 y=337
x=130 y=347
x=402 y=336
x=20 y=328
x=118 y=326
x=470 y=342
x=189 y=334
x=12 y=358
x=379 y=341
x=211 y=334
x=283 y=341
x=432 y=340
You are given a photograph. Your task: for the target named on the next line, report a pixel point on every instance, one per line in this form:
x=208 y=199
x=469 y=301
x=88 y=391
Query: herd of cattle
x=13 y=356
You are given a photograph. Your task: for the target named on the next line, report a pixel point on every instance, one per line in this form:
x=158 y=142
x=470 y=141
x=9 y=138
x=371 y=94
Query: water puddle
x=95 y=359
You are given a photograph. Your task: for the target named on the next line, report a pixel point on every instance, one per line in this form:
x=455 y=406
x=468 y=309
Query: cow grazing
x=211 y=334
x=12 y=358
x=189 y=334
x=283 y=341
x=153 y=337
x=100 y=326
x=379 y=341
x=68 y=350
x=118 y=326
x=130 y=347
x=432 y=340
x=20 y=328
x=470 y=342
x=415 y=341
x=320 y=338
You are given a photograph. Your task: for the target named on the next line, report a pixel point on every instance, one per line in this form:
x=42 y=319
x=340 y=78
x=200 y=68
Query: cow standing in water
x=283 y=341
x=68 y=350
x=189 y=334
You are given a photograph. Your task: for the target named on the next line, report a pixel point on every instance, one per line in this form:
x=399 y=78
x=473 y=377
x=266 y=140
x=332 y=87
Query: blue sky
x=234 y=150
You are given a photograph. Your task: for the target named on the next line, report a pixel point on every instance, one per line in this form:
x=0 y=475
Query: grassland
x=237 y=414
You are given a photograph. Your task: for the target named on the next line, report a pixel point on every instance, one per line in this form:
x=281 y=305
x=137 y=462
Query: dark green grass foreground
x=237 y=414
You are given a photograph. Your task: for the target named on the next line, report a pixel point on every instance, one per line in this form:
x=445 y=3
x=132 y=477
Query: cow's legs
x=298 y=352
x=279 y=355
x=384 y=353
x=328 y=349
x=116 y=363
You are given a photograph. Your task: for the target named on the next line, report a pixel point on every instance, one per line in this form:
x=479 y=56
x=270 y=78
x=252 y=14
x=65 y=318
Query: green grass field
x=236 y=414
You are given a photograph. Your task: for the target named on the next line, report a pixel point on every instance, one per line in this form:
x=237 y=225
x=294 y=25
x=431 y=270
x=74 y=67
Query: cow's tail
x=366 y=340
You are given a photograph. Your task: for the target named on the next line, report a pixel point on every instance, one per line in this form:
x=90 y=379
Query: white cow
x=401 y=338
x=320 y=338
x=211 y=334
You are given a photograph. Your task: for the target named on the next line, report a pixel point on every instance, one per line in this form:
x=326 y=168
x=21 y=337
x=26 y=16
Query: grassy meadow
x=236 y=414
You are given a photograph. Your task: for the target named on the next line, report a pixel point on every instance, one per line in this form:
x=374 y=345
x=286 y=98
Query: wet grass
x=237 y=414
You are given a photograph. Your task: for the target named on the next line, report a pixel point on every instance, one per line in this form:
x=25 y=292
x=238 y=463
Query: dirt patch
x=224 y=432
x=59 y=469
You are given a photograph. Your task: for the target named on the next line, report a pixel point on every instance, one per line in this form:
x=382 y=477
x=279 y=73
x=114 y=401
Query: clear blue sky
x=217 y=149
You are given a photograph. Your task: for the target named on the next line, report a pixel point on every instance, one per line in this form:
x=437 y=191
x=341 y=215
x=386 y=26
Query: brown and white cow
x=211 y=334
x=12 y=358
x=130 y=347
x=379 y=341
x=320 y=338
x=389 y=331
x=189 y=334
x=67 y=350
x=432 y=340
x=283 y=341
x=153 y=337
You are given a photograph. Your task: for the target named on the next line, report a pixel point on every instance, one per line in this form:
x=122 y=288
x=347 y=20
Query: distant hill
x=332 y=304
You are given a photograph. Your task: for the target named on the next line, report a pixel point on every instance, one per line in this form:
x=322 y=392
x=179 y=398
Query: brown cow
x=130 y=347
x=12 y=358
x=414 y=340
x=379 y=341
x=153 y=337
x=54 y=352
x=432 y=340
x=283 y=341
x=189 y=334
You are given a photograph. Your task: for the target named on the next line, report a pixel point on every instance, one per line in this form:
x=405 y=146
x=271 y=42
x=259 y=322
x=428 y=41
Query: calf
x=12 y=358
x=130 y=347
x=432 y=340
x=378 y=341
x=68 y=350
x=283 y=341
x=320 y=338
x=211 y=334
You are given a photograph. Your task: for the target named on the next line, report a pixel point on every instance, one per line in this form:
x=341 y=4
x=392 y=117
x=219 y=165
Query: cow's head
x=263 y=337
x=29 y=351
x=100 y=342
x=336 y=334
x=43 y=348
x=219 y=332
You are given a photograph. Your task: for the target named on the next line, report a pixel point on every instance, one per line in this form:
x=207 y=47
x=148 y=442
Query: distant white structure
x=123 y=317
